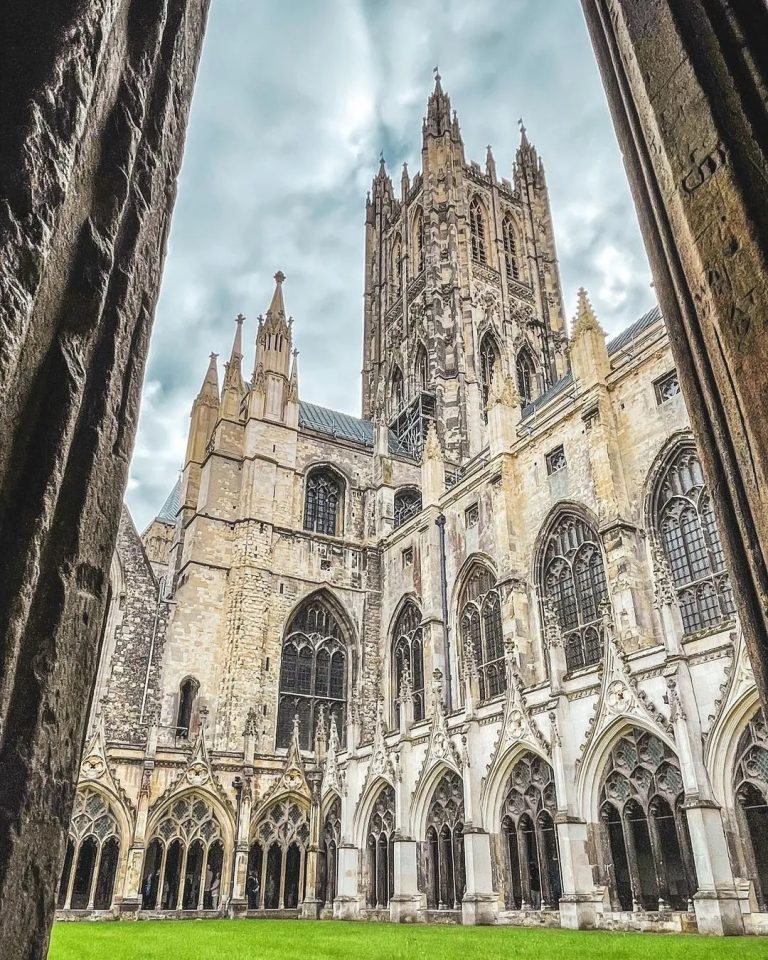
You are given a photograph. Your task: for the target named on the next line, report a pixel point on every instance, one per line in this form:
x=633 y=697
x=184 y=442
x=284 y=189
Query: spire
x=233 y=389
x=382 y=184
x=585 y=318
x=277 y=306
x=405 y=183
x=438 y=119
x=210 y=388
x=490 y=163
x=293 y=382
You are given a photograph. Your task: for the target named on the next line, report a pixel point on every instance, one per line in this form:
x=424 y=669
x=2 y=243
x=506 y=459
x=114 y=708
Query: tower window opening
x=477 y=231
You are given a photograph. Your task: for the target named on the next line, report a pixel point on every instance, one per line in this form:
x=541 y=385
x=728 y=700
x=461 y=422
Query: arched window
x=644 y=830
x=574 y=580
x=526 y=376
x=489 y=357
x=750 y=786
x=313 y=673
x=686 y=527
x=187 y=696
x=379 y=850
x=396 y=390
x=421 y=368
x=408 y=660
x=407 y=505
x=445 y=844
x=93 y=848
x=397 y=265
x=481 y=633
x=530 y=839
x=509 y=238
x=329 y=852
x=278 y=852
x=324 y=502
x=418 y=241
x=185 y=858
x=477 y=230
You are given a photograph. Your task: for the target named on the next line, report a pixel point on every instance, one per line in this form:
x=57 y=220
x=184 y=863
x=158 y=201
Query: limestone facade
x=472 y=658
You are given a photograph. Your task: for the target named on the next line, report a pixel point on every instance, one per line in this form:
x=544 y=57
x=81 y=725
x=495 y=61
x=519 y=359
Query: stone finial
x=586 y=318
x=251 y=728
x=405 y=693
x=432 y=448
x=553 y=634
x=502 y=390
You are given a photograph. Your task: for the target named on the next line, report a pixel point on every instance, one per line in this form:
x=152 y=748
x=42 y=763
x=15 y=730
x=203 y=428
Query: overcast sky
x=294 y=102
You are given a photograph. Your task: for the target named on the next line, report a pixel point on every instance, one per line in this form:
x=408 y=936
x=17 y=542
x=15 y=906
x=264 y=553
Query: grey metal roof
x=634 y=330
x=343 y=426
x=550 y=392
x=171 y=506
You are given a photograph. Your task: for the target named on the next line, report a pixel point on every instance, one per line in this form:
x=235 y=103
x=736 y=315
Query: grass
x=329 y=940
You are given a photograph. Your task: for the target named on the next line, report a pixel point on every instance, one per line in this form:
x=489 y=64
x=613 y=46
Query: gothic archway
x=93 y=849
x=445 y=844
x=379 y=859
x=329 y=853
x=408 y=659
x=279 y=847
x=750 y=787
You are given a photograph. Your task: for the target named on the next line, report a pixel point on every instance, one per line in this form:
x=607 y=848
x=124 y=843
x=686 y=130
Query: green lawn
x=328 y=940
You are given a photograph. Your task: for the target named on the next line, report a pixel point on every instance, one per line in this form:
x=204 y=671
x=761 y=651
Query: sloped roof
x=342 y=425
x=171 y=506
x=550 y=392
x=634 y=330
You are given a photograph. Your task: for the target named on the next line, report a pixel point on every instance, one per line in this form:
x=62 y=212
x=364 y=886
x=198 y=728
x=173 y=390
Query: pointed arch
x=324 y=497
x=418 y=241
x=480 y=628
x=722 y=742
x=489 y=358
x=278 y=842
x=494 y=785
x=397 y=264
x=525 y=374
x=407 y=504
x=509 y=238
x=421 y=367
x=407 y=655
x=396 y=389
x=365 y=805
x=477 y=230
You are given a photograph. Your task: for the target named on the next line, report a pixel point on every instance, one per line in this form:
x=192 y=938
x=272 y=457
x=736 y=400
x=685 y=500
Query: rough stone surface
x=95 y=97
x=687 y=82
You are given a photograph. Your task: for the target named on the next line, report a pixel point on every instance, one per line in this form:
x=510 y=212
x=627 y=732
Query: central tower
x=460 y=276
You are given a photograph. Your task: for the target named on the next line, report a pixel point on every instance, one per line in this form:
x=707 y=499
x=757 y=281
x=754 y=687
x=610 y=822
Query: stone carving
x=441 y=747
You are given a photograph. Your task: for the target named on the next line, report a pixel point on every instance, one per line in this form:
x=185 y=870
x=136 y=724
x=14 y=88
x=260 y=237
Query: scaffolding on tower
x=411 y=422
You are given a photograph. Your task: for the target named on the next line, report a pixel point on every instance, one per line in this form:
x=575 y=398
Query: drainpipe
x=237 y=783
x=440 y=521
x=158 y=601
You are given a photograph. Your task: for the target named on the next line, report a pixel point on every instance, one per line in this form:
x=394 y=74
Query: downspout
x=440 y=521
x=158 y=601
x=237 y=783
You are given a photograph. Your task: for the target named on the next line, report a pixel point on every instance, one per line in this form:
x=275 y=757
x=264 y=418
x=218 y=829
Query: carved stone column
x=93 y=113
x=687 y=83
x=311 y=905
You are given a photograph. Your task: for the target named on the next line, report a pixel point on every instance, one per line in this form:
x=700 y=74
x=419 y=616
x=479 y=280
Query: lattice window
x=92 y=816
x=556 y=460
x=477 y=230
x=445 y=841
x=189 y=818
x=526 y=376
x=324 y=501
x=687 y=529
x=574 y=579
x=284 y=823
x=407 y=505
x=751 y=765
x=379 y=849
x=489 y=357
x=509 y=237
x=481 y=630
x=667 y=387
x=408 y=656
x=313 y=674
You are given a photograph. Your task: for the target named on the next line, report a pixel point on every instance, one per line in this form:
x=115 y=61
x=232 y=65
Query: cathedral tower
x=460 y=275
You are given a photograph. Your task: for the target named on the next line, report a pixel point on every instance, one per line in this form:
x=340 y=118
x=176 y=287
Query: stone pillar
x=686 y=83
x=93 y=114
x=480 y=904
x=346 y=906
x=404 y=905
x=311 y=905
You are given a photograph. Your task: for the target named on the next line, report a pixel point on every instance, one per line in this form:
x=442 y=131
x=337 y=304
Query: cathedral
x=472 y=657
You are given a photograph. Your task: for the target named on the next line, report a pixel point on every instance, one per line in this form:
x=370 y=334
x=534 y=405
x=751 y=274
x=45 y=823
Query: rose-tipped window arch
x=687 y=531
x=324 y=502
x=477 y=231
x=93 y=848
x=408 y=660
x=573 y=580
x=480 y=626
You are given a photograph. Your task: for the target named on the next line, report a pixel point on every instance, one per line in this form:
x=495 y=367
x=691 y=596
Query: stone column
x=346 y=906
x=480 y=904
x=238 y=902
x=686 y=82
x=93 y=114
x=132 y=892
x=311 y=905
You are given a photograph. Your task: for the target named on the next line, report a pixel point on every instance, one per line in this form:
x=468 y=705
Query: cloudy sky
x=294 y=102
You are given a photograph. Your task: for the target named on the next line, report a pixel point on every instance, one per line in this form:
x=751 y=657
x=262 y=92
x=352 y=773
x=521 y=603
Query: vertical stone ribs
x=94 y=109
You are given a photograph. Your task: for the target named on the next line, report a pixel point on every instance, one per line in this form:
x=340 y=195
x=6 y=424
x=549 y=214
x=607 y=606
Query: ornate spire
x=276 y=308
x=233 y=375
x=585 y=318
x=432 y=448
x=210 y=388
x=438 y=120
x=490 y=163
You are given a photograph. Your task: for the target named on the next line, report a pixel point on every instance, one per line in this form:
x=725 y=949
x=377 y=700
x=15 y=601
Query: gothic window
x=530 y=839
x=667 y=387
x=445 y=844
x=407 y=505
x=489 y=357
x=187 y=696
x=329 y=852
x=644 y=830
x=408 y=660
x=481 y=634
x=556 y=460
x=573 y=579
x=379 y=850
x=396 y=390
x=277 y=857
x=418 y=241
x=421 y=368
x=750 y=785
x=313 y=673
x=93 y=847
x=509 y=238
x=183 y=866
x=397 y=266
x=324 y=502
x=477 y=230
x=685 y=524
x=526 y=376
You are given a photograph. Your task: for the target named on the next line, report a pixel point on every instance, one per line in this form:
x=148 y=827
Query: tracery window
x=379 y=850
x=644 y=830
x=477 y=230
x=528 y=828
x=93 y=847
x=184 y=860
x=481 y=631
x=187 y=695
x=489 y=357
x=329 y=853
x=396 y=390
x=313 y=673
x=421 y=368
x=407 y=505
x=750 y=786
x=277 y=857
x=686 y=526
x=418 y=240
x=509 y=239
x=324 y=502
x=446 y=876
x=397 y=266
x=526 y=376
x=574 y=580
x=408 y=657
